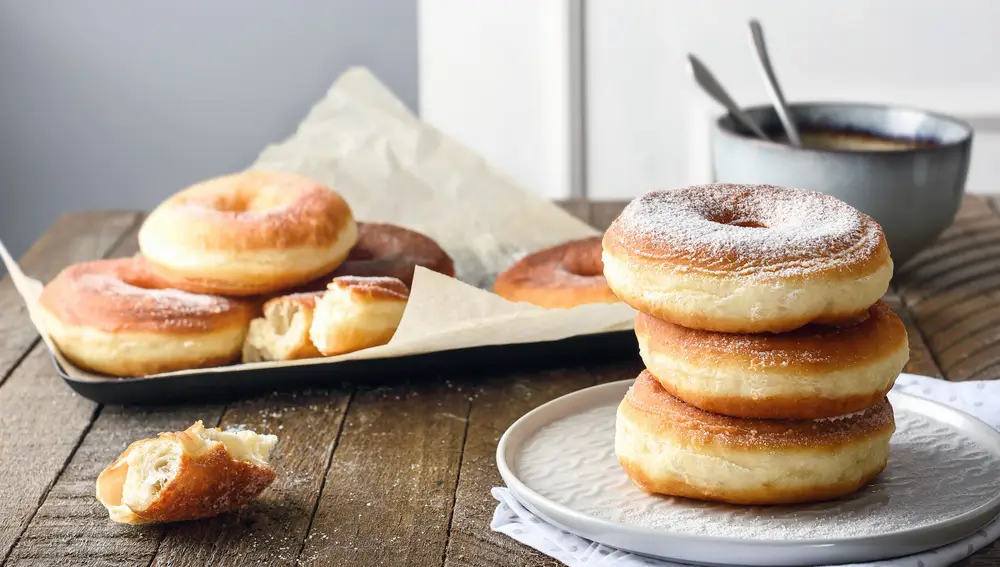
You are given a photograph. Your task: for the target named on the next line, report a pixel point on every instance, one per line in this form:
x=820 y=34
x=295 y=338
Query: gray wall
x=116 y=104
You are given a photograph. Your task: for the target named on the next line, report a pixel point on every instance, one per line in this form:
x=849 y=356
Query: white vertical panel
x=495 y=75
x=645 y=120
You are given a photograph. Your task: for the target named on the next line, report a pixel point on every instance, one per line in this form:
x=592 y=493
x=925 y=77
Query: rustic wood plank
x=499 y=402
x=922 y=360
x=973 y=206
x=977 y=333
x=950 y=316
x=951 y=293
x=938 y=313
x=976 y=247
x=953 y=286
x=71 y=526
x=41 y=420
x=975 y=219
x=956 y=240
x=388 y=493
x=271 y=530
x=603 y=213
x=96 y=539
x=74 y=237
x=302 y=420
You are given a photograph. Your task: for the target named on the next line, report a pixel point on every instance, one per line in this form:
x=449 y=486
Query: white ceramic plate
x=942 y=484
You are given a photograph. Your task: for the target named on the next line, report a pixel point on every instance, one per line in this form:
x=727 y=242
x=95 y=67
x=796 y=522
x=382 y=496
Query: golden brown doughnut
x=117 y=317
x=187 y=475
x=669 y=447
x=746 y=258
x=562 y=276
x=248 y=234
x=357 y=313
x=812 y=372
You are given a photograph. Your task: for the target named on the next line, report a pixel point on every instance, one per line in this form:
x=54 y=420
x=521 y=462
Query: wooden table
x=397 y=474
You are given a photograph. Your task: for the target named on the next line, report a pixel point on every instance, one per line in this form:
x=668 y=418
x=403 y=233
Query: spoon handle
x=757 y=36
x=714 y=89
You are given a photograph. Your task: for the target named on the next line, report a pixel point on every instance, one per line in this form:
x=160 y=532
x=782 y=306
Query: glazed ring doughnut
x=357 y=313
x=117 y=318
x=390 y=251
x=248 y=234
x=562 y=276
x=669 y=447
x=812 y=372
x=746 y=258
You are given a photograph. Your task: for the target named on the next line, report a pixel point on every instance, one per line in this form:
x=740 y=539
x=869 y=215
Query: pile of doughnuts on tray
x=768 y=349
x=254 y=266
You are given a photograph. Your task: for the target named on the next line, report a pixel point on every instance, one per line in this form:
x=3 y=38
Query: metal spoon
x=714 y=89
x=757 y=38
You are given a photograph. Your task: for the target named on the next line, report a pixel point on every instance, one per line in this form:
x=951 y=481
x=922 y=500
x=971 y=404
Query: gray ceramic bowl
x=913 y=192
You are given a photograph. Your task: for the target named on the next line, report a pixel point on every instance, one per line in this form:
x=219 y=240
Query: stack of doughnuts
x=768 y=349
x=267 y=265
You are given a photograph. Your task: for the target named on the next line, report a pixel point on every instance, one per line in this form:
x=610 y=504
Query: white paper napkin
x=981 y=399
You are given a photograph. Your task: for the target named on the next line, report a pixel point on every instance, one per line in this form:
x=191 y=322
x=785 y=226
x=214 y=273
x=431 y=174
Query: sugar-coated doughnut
x=117 y=317
x=668 y=447
x=562 y=276
x=357 y=313
x=812 y=372
x=186 y=475
x=746 y=258
x=390 y=251
x=248 y=234
x=283 y=332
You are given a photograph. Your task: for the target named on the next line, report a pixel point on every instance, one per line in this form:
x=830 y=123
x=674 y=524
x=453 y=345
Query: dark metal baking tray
x=223 y=385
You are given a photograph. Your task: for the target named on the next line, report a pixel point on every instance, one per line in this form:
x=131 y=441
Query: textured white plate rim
x=958 y=527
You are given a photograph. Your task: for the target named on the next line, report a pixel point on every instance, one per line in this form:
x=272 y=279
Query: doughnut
x=117 y=317
x=746 y=258
x=283 y=332
x=562 y=276
x=390 y=251
x=668 y=447
x=812 y=372
x=249 y=233
x=187 y=475
x=357 y=313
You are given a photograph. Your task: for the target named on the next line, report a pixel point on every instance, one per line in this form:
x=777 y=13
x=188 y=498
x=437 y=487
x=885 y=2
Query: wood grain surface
x=392 y=474
x=41 y=420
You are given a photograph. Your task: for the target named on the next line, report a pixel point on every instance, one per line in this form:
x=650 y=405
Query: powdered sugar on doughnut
x=168 y=298
x=748 y=230
x=121 y=294
x=371 y=284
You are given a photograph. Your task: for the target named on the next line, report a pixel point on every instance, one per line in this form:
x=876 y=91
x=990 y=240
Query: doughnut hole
x=583 y=261
x=734 y=218
x=244 y=199
x=248 y=201
x=747 y=224
x=361 y=254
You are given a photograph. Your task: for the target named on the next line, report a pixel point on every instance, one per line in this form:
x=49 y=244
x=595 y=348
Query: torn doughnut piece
x=186 y=475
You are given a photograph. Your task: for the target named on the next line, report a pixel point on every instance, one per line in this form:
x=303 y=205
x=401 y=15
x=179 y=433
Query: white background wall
x=494 y=74
x=117 y=103
x=647 y=126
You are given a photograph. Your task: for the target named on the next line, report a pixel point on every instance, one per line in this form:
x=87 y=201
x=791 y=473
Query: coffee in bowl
x=855 y=141
x=904 y=167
